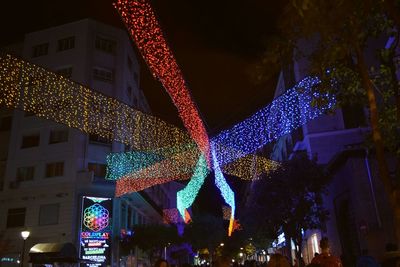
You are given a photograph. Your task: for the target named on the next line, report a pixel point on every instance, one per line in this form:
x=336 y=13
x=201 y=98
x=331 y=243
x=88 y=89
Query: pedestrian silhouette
x=325 y=259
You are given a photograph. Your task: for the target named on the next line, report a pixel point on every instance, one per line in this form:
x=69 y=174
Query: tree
x=337 y=33
x=290 y=199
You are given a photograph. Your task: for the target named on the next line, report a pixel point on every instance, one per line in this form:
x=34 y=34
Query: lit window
x=30 y=140
x=25 y=173
x=58 y=136
x=54 y=169
x=66 y=43
x=48 y=214
x=40 y=50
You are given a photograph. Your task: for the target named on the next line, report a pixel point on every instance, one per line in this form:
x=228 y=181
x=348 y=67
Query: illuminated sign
x=95 y=231
x=9 y=259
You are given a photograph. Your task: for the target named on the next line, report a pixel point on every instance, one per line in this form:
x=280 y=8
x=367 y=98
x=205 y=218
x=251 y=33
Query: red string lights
x=142 y=24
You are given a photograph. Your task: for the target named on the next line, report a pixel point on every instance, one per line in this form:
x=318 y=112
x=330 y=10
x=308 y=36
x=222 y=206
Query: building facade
x=360 y=217
x=47 y=168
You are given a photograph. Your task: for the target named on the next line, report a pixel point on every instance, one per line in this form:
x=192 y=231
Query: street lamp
x=25 y=234
x=222 y=244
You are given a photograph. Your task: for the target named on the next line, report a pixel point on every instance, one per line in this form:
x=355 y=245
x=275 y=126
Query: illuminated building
x=46 y=168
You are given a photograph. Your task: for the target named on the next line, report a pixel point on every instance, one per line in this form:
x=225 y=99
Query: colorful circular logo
x=96 y=217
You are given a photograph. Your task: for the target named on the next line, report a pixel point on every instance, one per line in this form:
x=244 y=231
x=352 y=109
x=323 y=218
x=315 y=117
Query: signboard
x=95 y=231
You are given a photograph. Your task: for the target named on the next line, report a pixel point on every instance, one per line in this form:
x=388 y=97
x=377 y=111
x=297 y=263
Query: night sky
x=216 y=44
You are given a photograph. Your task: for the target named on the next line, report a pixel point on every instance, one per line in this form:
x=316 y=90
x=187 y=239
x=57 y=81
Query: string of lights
x=226 y=213
x=251 y=167
x=285 y=114
x=172 y=161
x=223 y=186
x=126 y=185
x=143 y=26
x=186 y=196
x=31 y=88
x=47 y=95
x=173 y=216
x=179 y=160
x=144 y=29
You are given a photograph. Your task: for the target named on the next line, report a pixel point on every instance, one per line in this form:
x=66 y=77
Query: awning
x=53 y=252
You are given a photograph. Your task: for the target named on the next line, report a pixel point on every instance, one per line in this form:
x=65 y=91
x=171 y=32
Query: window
x=31 y=140
x=58 y=136
x=105 y=75
x=5 y=123
x=40 y=50
x=95 y=138
x=98 y=169
x=105 y=45
x=66 y=72
x=16 y=217
x=48 y=214
x=25 y=173
x=54 y=169
x=66 y=43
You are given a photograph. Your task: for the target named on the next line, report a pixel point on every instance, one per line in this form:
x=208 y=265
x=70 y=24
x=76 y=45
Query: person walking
x=325 y=259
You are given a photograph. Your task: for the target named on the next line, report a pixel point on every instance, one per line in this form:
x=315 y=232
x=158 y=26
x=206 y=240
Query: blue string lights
x=225 y=189
x=286 y=113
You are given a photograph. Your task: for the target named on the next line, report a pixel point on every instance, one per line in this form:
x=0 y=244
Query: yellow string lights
x=28 y=87
x=31 y=88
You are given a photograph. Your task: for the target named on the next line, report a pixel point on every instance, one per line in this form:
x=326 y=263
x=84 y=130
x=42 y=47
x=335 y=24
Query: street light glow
x=25 y=234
